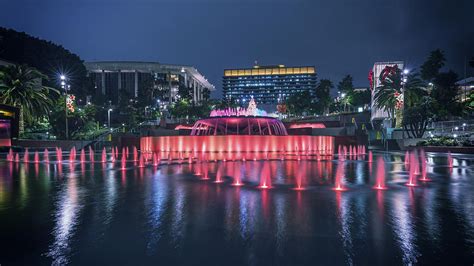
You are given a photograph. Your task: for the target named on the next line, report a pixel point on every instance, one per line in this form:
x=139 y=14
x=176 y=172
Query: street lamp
x=65 y=87
x=108 y=116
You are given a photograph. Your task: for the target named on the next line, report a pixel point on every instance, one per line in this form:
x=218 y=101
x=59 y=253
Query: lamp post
x=108 y=116
x=65 y=87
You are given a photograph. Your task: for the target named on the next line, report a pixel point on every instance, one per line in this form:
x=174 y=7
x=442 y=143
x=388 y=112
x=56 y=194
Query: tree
x=299 y=103
x=445 y=92
x=417 y=117
x=323 y=96
x=346 y=85
x=47 y=57
x=81 y=121
x=392 y=95
x=21 y=86
x=431 y=67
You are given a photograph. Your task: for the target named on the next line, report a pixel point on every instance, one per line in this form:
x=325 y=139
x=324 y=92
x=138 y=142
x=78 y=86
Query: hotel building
x=268 y=84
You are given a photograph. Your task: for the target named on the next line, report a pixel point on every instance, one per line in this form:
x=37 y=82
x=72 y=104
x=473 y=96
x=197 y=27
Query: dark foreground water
x=96 y=214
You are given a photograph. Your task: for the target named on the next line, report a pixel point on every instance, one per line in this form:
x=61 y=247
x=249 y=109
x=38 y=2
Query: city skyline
x=213 y=36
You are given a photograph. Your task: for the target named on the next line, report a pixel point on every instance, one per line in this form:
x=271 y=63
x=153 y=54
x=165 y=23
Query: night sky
x=338 y=37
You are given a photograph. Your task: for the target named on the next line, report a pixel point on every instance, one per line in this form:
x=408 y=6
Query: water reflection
x=66 y=219
x=170 y=213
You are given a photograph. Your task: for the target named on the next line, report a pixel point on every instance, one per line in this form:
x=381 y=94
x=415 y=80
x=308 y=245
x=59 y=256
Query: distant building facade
x=268 y=84
x=115 y=78
x=466 y=87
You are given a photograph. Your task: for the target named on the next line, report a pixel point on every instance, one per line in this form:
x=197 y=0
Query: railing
x=457 y=128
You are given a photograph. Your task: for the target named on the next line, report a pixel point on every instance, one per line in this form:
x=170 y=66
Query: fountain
x=370 y=157
x=424 y=176
x=237 y=178
x=450 y=160
x=17 y=158
x=91 y=154
x=124 y=161
x=338 y=185
x=219 y=173
x=228 y=132
x=135 y=154
x=46 y=155
x=265 y=177
x=104 y=156
x=141 y=162
x=407 y=160
x=156 y=161
x=83 y=156
x=413 y=169
x=380 y=178
x=25 y=156
x=10 y=155
x=59 y=155
x=36 y=158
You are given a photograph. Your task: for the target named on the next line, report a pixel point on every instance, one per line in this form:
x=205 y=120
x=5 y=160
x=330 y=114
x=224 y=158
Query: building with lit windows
x=115 y=78
x=268 y=85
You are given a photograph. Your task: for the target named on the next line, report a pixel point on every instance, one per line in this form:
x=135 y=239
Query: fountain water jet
x=237 y=176
x=380 y=178
x=450 y=160
x=219 y=173
x=36 y=158
x=83 y=156
x=338 y=185
x=104 y=156
x=25 y=157
x=46 y=155
x=135 y=154
x=265 y=177
x=424 y=176
x=413 y=169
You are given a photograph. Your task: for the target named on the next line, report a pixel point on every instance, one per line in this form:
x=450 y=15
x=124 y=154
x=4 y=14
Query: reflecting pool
x=261 y=211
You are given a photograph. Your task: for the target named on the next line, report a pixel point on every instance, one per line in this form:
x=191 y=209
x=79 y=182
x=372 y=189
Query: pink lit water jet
x=91 y=154
x=338 y=184
x=219 y=174
x=104 y=156
x=83 y=156
x=265 y=177
x=36 y=158
x=237 y=177
x=370 y=157
x=407 y=160
x=17 y=158
x=413 y=169
x=25 y=157
x=380 y=177
x=10 y=156
x=72 y=155
x=135 y=154
x=300 y=174
x=450 y=160
x=124 y=161
x=59 y=155
x=156 y=162
x=424 y=176
x=141 y=162
x=46 y=155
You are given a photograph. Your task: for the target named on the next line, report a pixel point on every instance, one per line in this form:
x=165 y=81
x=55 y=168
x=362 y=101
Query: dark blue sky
x=338 y=37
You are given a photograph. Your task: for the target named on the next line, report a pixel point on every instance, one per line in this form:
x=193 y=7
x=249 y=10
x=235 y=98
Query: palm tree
x=21 y=86
x=391 y=86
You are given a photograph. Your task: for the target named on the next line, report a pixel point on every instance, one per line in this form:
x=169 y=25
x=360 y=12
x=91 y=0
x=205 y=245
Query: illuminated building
x=111 y=77
x=374 y=79
x=268 y=84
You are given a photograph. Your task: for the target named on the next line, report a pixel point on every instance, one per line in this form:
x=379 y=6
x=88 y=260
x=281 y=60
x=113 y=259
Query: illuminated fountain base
x=241 y=147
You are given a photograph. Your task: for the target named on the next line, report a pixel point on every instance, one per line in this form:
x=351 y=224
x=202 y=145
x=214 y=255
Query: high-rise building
x=267 y=84
x=115 y=78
